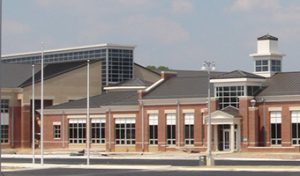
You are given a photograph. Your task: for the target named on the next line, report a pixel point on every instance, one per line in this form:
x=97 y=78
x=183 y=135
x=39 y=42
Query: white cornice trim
x=154 y=85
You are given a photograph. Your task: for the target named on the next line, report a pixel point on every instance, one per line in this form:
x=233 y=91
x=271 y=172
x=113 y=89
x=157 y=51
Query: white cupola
x=267 y=60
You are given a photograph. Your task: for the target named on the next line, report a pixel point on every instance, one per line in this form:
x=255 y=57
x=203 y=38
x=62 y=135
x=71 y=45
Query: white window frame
x=79 y=127
x=56 y=131
x=125 y=131
x=98 y=131
x=153 y=129
x=275 y=121
x=189 y=121
x=295 y=119
x=171 y=128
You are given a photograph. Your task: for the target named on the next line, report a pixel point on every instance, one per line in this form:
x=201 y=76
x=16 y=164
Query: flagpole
x=88 y=115
x=42 y=105
x=33 y=116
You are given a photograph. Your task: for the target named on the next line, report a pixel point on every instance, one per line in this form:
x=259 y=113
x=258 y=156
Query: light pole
x=33 y=116
x=88 y=115
x=209 y=66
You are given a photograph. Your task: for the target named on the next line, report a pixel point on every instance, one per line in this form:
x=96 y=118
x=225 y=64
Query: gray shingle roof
x=12 y=75
x=52 y=70
x=187 y=84
x=287 y=83
x=105 y=99
x=267 y=37
x=135 y=82
x=238 y=74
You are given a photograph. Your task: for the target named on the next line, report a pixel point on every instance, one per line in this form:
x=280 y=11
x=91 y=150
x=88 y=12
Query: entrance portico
x=226 y=129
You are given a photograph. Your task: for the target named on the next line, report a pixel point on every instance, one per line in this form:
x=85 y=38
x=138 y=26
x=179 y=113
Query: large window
x=77 y=131
x=261 y=65
x=125 y=131
x=276 y=65
x=275 y=128
x=189 y=128
x=98 y=131
x=118 y=67
x=171 y=129
x=4 y=108
x=4 y=133
x=228 y=95
x=153 y=129
x=296 y=127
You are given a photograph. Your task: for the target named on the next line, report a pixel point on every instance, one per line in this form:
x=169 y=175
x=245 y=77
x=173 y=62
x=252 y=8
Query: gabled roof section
x=283 y=83
x=12 y=75
x=231 y=110
x=267 y=37
x=105 y=99
x=238 y=74
x=52 y=70
x=186 y=84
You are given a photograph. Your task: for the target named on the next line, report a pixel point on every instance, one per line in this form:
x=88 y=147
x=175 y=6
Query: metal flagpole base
x=210 y=160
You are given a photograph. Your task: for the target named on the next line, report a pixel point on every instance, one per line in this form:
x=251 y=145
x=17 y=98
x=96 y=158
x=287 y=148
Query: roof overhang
x=101 y=110
x=238 y=80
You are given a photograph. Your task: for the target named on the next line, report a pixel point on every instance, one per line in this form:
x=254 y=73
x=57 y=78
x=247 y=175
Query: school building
x=147 y=111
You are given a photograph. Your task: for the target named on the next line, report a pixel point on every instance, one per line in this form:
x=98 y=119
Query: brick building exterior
x=257 y=111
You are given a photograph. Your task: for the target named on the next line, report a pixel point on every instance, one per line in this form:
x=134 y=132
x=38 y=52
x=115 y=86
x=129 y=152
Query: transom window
x=77 y=131
x=261 y=65
x=296 y=127
x=4 y=106
x=228 y=95
x=189 y=128
x=171 y=129
x=125 y=131
x=98 y=131
x=275 y=118
x=153 y=129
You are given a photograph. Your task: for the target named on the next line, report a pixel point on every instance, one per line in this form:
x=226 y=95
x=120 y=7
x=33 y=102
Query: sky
x=179 y=34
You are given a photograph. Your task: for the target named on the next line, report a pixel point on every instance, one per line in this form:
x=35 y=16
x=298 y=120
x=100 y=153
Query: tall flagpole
x=33 y=116
x=0 y=83
x=42 y=105
x=88 y=115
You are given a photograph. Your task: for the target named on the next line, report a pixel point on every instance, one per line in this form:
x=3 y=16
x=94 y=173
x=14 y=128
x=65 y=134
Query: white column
x=216 y=139
x=232 y=137
x=238 y=137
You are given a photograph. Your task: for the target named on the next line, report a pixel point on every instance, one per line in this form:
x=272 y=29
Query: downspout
x=143 y=130
x=178 y=121
x=63 y=129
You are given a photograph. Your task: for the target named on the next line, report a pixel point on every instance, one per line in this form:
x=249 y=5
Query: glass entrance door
x=226 y=139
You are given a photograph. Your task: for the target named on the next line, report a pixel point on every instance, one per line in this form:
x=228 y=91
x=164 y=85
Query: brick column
x=286 y=127
x=162 y=131
x=244 y=103
x=198 y=128
x=25 y=127
x=253 y=125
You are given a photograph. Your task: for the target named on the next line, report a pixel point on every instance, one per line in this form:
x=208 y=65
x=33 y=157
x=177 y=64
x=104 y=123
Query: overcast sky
x=180 y=34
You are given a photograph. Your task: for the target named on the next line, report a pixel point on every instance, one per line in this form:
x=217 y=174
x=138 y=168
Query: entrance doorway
x=225 y=138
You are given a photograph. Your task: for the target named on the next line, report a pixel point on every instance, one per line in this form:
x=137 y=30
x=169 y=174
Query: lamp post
x=209 y=66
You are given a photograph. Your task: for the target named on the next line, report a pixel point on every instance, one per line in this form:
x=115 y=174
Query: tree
x=159 y=68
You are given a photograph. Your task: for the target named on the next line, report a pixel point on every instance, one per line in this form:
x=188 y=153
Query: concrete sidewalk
x=8 y=167
x=162 y=155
